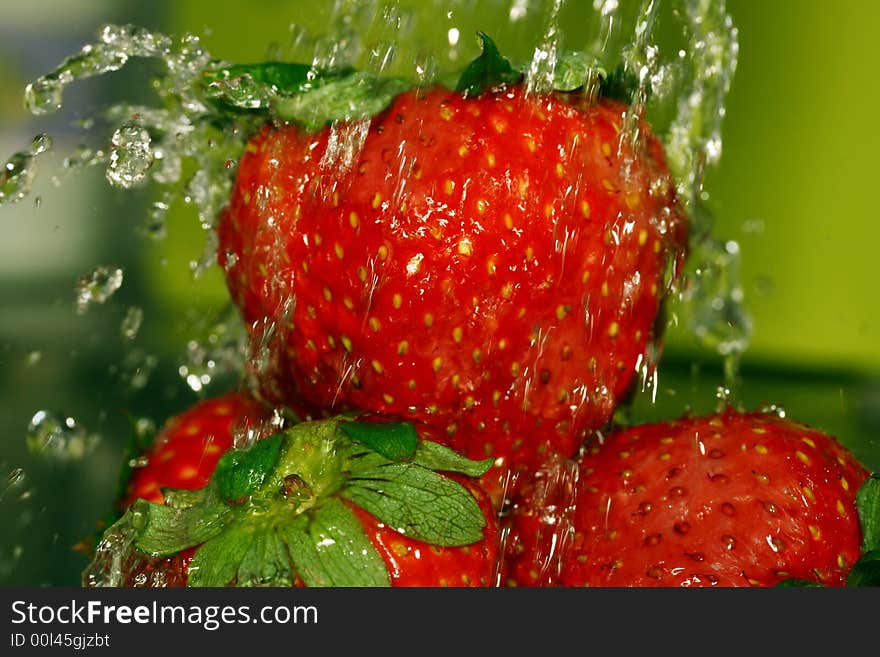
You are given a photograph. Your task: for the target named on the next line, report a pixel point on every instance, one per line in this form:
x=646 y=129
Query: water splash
x=15 y=479
x=220 y=354
x=542 y=69
x=694 y=141
x=711 y=303
x=154 y=145
x=110 y=564
x=58 y=437
x=82 y=157
x=245 y=436
x=710 y=297
x=149 y=144
x=116 y=44
x=153 y=226
x=130 y=156
x=18 y=174
x=131 y=323
x=136 y=369
x=607 y=11
x=773 y=409
x=641 y=62
x=97 y=287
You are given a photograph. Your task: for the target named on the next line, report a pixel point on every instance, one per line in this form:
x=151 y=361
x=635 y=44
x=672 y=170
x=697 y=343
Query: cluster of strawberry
x=449 y=300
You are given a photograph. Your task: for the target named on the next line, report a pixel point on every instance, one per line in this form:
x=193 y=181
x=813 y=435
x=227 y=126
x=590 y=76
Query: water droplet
x=144 y=429
x=230 y=261
x=695 y=134
x=712 y=299
x=344 y=145
x=139 y=462
x=153 y=226
x=245 y=436
x=135 y=40
x=130 y=156
x=539 y=77
x=82 y=157
x=112 y=561
x=241 y=91
x=518 y=10
x=97 y=287
x=41 y=144
x=773 y=409
x=136 y=369
x=131 y=323
x=116 y=44
x=43 y=96
x=209 y=191
x=58 y=437
x=425 y=68
x=16 y=477
x=220 y=354
x=17 y=177
x=33 y=357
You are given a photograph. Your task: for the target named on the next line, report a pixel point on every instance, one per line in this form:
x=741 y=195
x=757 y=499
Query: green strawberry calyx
x=282 y=509
x=865 y=571
x=313 y=97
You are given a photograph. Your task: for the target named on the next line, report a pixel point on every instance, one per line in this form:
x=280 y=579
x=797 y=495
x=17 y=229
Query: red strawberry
x=183 y=456
x=186 y=450
x=492 y=265
x=330 y=503
x=726 y=500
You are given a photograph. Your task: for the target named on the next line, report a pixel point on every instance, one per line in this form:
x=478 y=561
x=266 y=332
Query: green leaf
x=866 y=571
x=240 y=473
x=333 y=550
x=266 y=563
x=259 y=86
x=435 y=456
x=284 y=76
x=417 y=502
x=216 y=562
x=248 y=552
x=185 y=499
x=356 y=96
x=795 y=582
x=301 y=93
x=396 y=441
x=620 y=85
x=137 y=445
x=573 y=70
x=868 y=504
x=187 y=519
x=489 y=70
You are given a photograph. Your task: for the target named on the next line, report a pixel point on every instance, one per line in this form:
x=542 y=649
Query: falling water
x=185 y=148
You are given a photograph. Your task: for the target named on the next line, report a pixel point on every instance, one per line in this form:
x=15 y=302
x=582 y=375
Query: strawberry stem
x=280 y=510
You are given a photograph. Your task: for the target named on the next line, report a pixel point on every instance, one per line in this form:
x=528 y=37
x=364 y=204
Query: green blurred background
x=794 y=188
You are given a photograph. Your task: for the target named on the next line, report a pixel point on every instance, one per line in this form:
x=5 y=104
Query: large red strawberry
x=733 y=499
x=330 y=503
x=185 y=452
x=492 y=263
